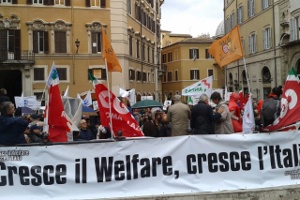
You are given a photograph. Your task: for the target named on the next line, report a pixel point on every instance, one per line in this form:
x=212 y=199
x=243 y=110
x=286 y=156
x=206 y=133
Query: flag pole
x=247 y=76
x=109 y=102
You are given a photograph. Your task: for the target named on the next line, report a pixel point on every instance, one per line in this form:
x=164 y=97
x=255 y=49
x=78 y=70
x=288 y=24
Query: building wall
x=80 y=22
x=254 y=63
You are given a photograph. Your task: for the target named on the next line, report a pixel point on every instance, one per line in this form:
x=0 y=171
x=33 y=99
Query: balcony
x=24 y=56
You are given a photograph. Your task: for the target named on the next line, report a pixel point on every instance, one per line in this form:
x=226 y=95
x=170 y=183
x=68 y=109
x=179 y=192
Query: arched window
x=266 y=75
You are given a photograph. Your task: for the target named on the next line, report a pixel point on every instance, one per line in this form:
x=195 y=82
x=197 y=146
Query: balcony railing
x=11 y=56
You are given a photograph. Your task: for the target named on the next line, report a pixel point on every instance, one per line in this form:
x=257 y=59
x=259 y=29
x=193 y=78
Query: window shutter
x=103 y=73
x=191 y=75
x=103 y=4
x=197 y=53
x=3 y=45
x=51 y=2
x=46 y=42
x=60 y=42
x=35 y=41
x=88 y=3
x=46 y=2
x=17 y=44
x=14 y=1
x=191 y=53
x=29 y=2
x=68 y=3
x=248 y=7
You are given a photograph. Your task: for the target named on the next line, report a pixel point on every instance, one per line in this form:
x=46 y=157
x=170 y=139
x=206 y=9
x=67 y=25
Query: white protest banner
x=177 y=165
x=146 y=98
x=196 y=89
x=29 y=102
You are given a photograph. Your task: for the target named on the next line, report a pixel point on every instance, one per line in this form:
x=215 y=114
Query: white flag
x=66 y=94
x=248 y=117
x=123 y=93
x=87 y=101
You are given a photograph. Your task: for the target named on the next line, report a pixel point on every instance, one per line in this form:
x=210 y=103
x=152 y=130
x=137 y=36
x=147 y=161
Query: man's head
x=7 y=108
x=83 y=124
x=204 y=98
x=3 y=91
x=176 y=98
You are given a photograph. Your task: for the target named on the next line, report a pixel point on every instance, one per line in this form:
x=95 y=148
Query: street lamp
x=77 y=43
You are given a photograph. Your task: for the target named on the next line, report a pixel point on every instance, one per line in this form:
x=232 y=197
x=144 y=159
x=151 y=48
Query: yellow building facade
x=186 y=61
x=270 y=37
x=36 y=33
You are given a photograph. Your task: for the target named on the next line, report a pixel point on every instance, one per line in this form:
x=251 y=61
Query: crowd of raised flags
x=116 y=116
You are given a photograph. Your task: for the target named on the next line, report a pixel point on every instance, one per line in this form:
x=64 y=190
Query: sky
x=194 y=17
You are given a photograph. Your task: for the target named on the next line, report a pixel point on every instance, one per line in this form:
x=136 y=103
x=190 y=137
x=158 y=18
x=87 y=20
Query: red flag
x=227 y=49
x=108 y=53
x=290 y=104
x=56 y=122
x=122 y=119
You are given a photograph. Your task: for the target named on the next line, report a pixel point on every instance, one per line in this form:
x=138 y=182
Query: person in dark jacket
x=203 y=117
x=11 y=128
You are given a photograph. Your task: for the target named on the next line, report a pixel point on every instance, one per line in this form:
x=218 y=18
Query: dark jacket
x=12 y=130
x=203 y=118
x=86 y=134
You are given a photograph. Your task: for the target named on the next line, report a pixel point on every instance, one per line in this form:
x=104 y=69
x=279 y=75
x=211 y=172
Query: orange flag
x=227 y=49
x=108 y=53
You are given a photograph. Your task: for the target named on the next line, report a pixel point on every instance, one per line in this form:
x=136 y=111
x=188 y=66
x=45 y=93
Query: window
x=39 y=74
x=210 y=72
x=208 y=55
x=148 y=77
x=176 y=75
x=240 y=14
x=60 y=42
x=164 y=58
x=96 y=3
x=252 y=43
x=194 y=74
x=40 y=42
x=194 y=53
x=265 y=4
x=6 y=1
x=39 y=2
x=295 y=28
x=10 y=42
x=63 y=2
x=251 y=8
x=62 y=74
x=266 y=75
x=170 y=57
x=169 y=76
x=131 y=75
x=98 y=73
x=96 y=42
x=138 y=76
x=144 y=76
x=267 y=38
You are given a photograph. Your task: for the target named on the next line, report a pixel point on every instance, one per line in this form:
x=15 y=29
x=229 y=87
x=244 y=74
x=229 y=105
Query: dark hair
x=277 y=91
x=4 y=107
x=215 y=96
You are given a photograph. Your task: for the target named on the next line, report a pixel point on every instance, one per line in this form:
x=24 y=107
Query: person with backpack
x=270 y=110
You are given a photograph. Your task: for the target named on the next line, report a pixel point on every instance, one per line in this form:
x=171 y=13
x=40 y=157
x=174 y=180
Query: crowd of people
x=224 y=117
